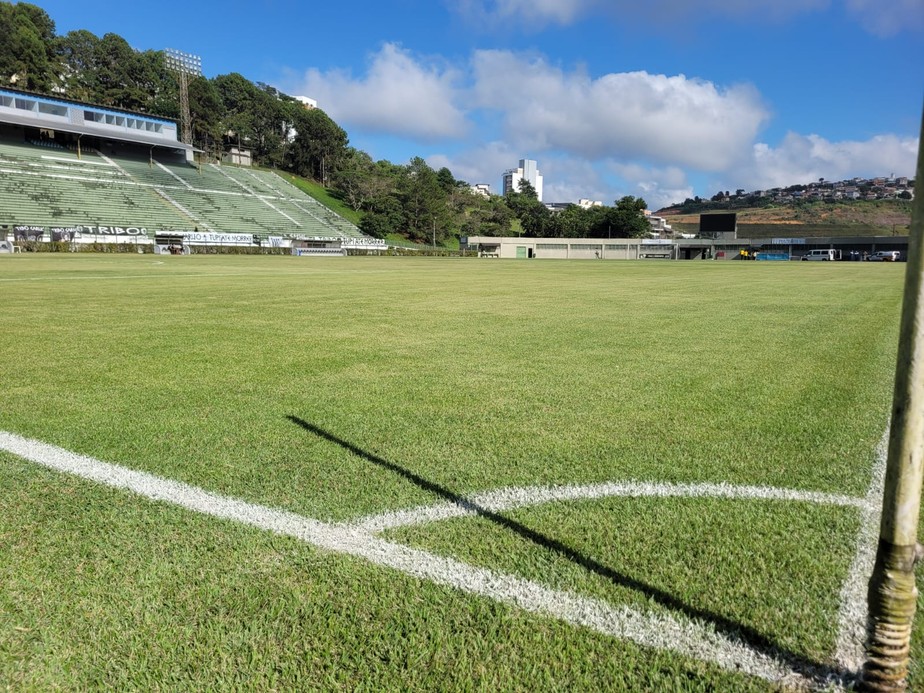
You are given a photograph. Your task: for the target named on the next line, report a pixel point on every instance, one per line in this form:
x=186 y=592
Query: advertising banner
x=211 y=238
x=28 y=233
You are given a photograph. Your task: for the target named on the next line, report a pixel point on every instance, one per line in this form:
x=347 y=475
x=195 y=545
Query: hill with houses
x=855 y=207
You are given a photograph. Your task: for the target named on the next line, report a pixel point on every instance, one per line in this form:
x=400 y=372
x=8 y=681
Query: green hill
x=809 y=219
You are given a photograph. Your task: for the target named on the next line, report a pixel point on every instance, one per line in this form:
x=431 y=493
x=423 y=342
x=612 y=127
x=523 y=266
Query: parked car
x=824 y=254
x=885 y=256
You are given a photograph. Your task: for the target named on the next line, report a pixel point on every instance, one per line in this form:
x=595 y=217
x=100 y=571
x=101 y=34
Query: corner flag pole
x=892 y=592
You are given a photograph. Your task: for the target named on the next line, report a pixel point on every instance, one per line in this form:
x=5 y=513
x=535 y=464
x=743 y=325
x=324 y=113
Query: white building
x=306 y=101
x=528 y=171
x=482 y=189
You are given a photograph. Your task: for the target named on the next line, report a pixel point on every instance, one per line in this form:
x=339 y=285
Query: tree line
x=412 y=200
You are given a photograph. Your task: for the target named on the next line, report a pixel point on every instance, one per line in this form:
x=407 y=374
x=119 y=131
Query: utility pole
x=892 y=592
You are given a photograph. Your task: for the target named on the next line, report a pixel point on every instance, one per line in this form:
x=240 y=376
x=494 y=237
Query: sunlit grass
x=472 y=375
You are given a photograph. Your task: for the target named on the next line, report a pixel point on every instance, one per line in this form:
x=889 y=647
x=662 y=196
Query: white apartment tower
x=528 y=171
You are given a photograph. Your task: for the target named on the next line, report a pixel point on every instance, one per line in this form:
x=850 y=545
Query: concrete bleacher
x=36 y=189
x=46 y=186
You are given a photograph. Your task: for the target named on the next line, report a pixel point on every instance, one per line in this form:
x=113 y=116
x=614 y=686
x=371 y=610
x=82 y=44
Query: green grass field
x=347 y=390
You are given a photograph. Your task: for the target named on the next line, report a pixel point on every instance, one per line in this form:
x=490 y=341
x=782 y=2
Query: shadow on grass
x=815 y=671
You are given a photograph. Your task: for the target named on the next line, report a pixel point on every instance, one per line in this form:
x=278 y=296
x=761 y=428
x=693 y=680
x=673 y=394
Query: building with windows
x=528 y=170
x=60 y=122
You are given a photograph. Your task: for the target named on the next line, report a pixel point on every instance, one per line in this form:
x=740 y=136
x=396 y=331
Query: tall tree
x=77 y=55
x=534 y=216
x=207 y=112
x=239 y=98
x=118 y=70
x=356 y=180
x=318 y=145
x=27 y=55
x=627 y=218
x=424 y=202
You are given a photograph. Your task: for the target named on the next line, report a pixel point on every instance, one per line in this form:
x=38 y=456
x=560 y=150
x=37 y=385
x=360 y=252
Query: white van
x=885 y=256
x=822 y=254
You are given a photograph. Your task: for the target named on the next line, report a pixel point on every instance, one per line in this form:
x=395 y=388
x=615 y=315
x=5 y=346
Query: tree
x=534 y=217
x=119 y=70
x=207 y=112
x=318 y=146
x=354 y=180
x=425 y=211
x=446 y=180
x=486 y=216
x=571 y=222
x=77 y=55
x=238 y=96
x=26 y=47
x=627 y=219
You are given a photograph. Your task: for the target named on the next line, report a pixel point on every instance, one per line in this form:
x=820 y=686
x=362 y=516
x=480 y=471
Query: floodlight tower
x=184 y=64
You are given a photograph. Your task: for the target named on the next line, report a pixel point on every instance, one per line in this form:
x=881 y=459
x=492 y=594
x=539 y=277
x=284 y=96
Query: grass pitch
x=430 y=379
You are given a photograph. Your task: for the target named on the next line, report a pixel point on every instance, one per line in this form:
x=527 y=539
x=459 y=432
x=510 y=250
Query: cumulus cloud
x=625 y=115
x=804 y=158
x=398 y=95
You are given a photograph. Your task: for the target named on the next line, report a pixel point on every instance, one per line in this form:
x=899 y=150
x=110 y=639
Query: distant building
x=584 y=203
x=528 y=170
x=482 y=189
x=557 y=206
x=307 y=102
x=659 y=225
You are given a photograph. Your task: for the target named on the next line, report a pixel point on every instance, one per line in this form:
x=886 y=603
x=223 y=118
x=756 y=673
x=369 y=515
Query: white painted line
x=854 y=608
x=661 y=631
x=76 y=161
x=511 y=498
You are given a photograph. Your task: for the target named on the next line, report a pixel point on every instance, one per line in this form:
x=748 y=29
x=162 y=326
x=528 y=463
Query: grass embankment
x=470 y=376
x=322 y=195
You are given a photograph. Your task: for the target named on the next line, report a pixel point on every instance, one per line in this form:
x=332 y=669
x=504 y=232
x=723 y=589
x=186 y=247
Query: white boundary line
x=657 y=630
x=853 y=612
x=512 y=498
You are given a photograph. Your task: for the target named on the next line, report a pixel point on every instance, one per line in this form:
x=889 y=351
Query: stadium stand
x=60 y=189
x=138 y=180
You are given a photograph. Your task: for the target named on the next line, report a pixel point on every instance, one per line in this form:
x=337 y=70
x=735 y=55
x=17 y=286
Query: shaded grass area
x=472 y=375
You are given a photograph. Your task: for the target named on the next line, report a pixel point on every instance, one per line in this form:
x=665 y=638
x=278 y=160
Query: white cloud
x=659 y=187
x=888 y=18
x=537 y=14
x=568 y=179
x=805 y=158
x=398 y=95
x=485 y=163
x=877 y=17
x=627 y=115
x=533 y=13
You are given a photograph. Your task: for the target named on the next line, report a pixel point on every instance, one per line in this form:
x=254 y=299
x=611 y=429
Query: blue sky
x=663 y=99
